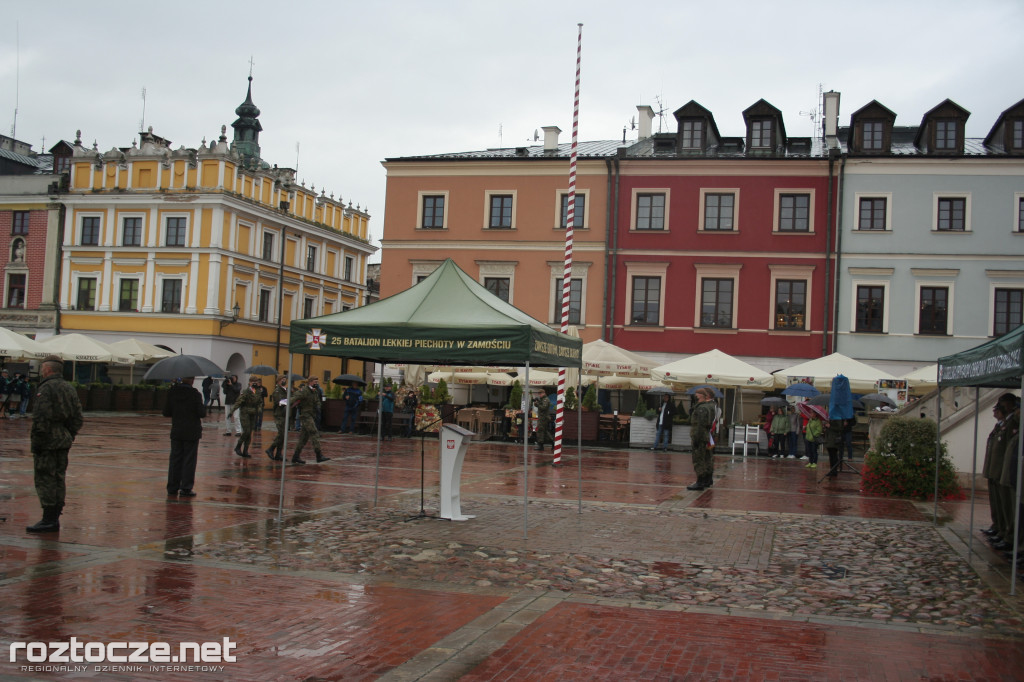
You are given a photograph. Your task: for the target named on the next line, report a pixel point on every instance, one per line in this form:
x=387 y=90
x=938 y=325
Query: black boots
x=273 y=452
x=702 y=482
x=296 y=460
x=49 y=522
x=240 y=452
x=321 y=458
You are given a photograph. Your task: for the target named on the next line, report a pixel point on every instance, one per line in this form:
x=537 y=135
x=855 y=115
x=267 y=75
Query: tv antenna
x=660 y=112
x=815 y=115
x=142 y=121
x=17 y=77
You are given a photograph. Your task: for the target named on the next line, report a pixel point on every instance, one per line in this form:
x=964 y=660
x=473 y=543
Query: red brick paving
x=590 y=642
x=284 y=627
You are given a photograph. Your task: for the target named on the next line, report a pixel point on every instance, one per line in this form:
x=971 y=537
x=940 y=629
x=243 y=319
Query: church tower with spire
x=247 y=129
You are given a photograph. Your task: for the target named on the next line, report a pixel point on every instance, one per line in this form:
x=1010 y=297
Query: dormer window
x=873 y=135
x=691 y=134
x=761 y=134
x=945 y=135
x=1018 y=134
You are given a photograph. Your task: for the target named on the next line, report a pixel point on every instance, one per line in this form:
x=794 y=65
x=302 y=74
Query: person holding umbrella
x=352 y=397
x=186 y=410
x=248 y=403
x=663 y=426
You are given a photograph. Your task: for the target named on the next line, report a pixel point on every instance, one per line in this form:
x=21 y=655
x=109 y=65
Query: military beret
x=54 y=358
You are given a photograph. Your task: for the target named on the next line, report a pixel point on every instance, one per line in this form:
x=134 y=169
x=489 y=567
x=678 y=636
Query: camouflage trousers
x=279 y=437
x=308 y=433
x=703 y=461
x=50 y=467
x=248 y=419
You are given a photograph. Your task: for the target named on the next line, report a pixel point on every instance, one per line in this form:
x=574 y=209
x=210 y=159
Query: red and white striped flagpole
x=570 y=219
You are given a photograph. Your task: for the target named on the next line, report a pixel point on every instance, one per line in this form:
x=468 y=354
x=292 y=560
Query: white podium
x=454 y=441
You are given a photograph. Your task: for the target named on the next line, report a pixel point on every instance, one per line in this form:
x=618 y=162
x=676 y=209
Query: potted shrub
x=160 y=396
x=124 y=397
x=585 y=423
x=83 y=394
x=902 y=464
x=681 y=428
x=642 y=427
x=100 y=396
x=334 y=406
x=144 y=396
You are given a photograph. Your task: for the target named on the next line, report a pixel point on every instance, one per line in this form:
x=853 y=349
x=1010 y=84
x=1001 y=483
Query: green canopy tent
x=998 y=363
x=447 y=319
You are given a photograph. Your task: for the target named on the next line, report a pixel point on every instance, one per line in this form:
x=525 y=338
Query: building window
x=952 y=215
x=128 y=296
x=499 y=286
x=86 y=294
x=19 y=222
x=349 y=268
x=311 y=258
x=90 y=231
x=872 y=213
x=1018 y=134
x=501 y=212
x=433 y=212
x=691 y=134
x=1020 y=214
x=872 y=136
x=646 y=300
x=307 y=308
x=650 y=211
x=575 y=300
x=268 y=246
x=131 y=232
x=16 y=291
x=933 y=314
x=870 y=308
x=790 y=303
x=794 y=212
x=578 y=211
x=170 y=296
x=761 y=134
x=264 y=309
x=945 y=135
x=175 y=232
x=716 y=303
x=1009 y=311
x=718 y=211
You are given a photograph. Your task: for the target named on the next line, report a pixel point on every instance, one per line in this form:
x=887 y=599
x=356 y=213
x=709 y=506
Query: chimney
x=830 y=119
x=646 y=121
x=551 y=137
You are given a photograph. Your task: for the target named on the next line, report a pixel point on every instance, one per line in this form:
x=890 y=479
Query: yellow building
x=208 y=251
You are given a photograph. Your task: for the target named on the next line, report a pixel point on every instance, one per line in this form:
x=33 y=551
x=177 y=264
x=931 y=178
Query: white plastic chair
x=746 y=435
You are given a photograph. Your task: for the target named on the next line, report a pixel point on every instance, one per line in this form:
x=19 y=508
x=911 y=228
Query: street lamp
x=234 y=316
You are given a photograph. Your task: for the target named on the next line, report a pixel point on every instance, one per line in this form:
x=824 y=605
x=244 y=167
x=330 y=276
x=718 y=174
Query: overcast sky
x=353 y=83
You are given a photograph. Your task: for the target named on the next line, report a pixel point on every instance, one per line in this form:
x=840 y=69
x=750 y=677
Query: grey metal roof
x=25 y=160
x=596 y=149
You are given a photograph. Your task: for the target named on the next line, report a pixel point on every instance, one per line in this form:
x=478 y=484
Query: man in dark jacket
x=56 y=420
x=232 y=388
x=185 y=408
x=663 y=425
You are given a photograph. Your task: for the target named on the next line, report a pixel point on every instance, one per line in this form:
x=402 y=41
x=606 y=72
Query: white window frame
x=966 y=196
x=792 y=272
x=1016 y=221
x=779 y=191
x=735 y=192
x=997 y=279
x=708 y=271
x=856 y=210
x=585 y=193
x=947 y=284
x=80 y=229
x=487 y=208
x=160 y=279
x=423 y=268
x=142 y=229
x=271 y=313
x=422 y=194
x=499 y=269
x=633 y=208
x=579 y=271
x=275 y=247
x=140 y=277
x=98 y=276
x=871 y=277
x=645 y=269
x=163 y=231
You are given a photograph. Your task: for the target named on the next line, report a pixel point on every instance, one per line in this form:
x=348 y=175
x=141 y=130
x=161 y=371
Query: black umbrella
x=661 y=390
x=262 y=370
x=348 y=379
x=773 y=401
x=801 y=389
x=183 y=366
x=879 y=398
x=825 y=398
x=692 y=390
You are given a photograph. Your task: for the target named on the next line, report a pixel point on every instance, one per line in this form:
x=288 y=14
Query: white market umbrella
x=821 y=371
x=923 y=379
x=19 y=347
x=715 y=368
x=141 y=351
x=603 y=358
x=81 y=348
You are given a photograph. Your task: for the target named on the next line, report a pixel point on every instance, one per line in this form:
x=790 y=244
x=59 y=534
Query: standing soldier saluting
x=702 y=439
x=56 y=420
x=277 y=399
x=307 y=401
x=249 y=402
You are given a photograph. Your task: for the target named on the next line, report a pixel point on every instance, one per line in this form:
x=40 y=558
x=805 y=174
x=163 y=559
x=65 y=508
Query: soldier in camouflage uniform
x=56 y=420
x=280 y=413
x=249 y=402
x=701 y=420
x=306 y=401
x=543 y=405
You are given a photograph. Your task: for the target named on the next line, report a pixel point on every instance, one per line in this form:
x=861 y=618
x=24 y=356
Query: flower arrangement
x=903 y=465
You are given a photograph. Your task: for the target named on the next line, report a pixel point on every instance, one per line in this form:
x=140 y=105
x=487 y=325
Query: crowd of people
x=1000 y=471
x=15 y=392
x=786 y=429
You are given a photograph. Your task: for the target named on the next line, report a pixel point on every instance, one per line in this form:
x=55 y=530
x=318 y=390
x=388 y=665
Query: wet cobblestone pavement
x=767 y=575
